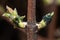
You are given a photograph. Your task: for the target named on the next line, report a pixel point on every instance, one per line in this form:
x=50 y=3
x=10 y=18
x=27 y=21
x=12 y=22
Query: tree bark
x=31 y=18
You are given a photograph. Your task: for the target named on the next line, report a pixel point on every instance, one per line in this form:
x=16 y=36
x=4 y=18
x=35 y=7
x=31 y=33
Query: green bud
x=21 y=25
x=42 y=24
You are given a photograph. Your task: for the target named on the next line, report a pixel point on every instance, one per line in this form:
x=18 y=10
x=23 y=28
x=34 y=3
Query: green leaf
x=21 y=18
x=6 y=15
x=14 y=13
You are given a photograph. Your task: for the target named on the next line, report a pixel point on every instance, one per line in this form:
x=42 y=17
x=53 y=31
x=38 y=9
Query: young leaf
x=9 y=9
x=46 y=20
x=6 y=15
